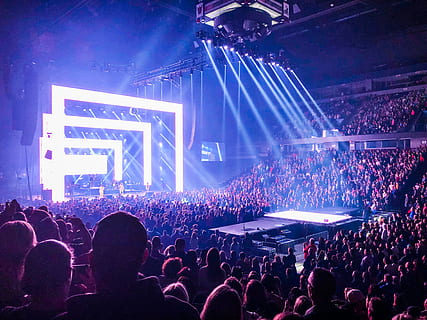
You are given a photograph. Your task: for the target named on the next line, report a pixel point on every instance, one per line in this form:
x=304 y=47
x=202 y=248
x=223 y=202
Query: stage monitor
x=213 y=151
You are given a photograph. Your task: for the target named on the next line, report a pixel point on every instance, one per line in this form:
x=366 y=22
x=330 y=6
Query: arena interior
x=213 y=159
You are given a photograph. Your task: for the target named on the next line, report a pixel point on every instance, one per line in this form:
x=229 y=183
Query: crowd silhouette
x=135 y=257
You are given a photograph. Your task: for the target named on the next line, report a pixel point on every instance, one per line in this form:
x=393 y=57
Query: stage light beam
x=230 y=102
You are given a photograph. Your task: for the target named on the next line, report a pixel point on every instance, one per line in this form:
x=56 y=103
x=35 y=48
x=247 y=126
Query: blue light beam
x=242 y=129
x=258 y=117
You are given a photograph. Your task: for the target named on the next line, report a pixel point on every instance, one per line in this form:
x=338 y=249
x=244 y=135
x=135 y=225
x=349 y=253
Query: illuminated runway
x=251 y=227
x=310 y=216
x=282 y=219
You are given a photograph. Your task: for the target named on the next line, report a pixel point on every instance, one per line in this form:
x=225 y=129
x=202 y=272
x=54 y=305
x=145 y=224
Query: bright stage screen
x=107 y=138
x=213 y=151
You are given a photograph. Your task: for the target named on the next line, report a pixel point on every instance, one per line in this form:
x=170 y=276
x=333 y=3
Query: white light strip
x=179 y=150
x=147 y=155
x=85 y=164
x=98 y=123
x=116 y=145
x=111 y=99
x=314 y=217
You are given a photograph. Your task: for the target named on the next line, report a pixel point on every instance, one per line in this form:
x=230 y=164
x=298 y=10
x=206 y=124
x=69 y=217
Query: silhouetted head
x=377 y=309
x=16 y=238
x=212 y=258
x=321 y=286
x=255 y=296
x=47 y=269
x=223 y=303
x=302 y=304
x=177 y=290
x=119 y=247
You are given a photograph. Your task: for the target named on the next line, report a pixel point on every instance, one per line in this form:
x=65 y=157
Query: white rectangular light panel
x=85 y=164
x=53 y=140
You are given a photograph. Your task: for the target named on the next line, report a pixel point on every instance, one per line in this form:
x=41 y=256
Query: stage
x=252 y=227
x=322 y=216
x=327 y=217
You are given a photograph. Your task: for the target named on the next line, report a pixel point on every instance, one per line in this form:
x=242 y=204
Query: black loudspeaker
x=48 y=154
x=31 y=104
x=23 y=91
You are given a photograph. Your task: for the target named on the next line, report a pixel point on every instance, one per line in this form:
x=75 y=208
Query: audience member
x=46 y=278
x=16 y=239
x=222 y=303
x=119 y=248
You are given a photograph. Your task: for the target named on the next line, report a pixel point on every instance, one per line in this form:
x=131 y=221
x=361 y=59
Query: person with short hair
x=177 y=290
x=357 y=302
x=170 y=270
x=119 y=247
x=302 y=304
x=321 y=286
x=377 y=309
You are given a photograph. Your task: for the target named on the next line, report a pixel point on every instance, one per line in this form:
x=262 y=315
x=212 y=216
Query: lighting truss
x=171 y=71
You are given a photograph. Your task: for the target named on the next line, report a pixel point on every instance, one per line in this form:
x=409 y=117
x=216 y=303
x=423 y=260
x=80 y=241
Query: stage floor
x=281 y=219
x=259 y=225
x=319 y=217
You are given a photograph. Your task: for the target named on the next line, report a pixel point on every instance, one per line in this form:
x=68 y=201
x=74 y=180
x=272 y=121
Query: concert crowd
x=134 y=257
x=372 y=114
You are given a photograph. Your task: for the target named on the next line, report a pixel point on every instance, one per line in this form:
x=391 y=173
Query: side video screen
x=213 y=151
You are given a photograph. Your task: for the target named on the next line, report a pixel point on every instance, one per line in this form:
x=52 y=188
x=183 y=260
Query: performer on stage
x=121 y=188
x=101 y=191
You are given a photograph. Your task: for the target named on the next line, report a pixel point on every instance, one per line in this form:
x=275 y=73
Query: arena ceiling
x=334 y=39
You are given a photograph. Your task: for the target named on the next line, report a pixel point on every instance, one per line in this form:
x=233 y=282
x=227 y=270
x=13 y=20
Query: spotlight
x=225 y=47
x=209 y=41
x=231 y=49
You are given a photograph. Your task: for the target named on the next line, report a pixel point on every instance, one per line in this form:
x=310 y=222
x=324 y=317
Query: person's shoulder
x=330 y=312
x=81 y=306
x=180 y=309
x=203 y=269
x=9 y=313
x=26 y=313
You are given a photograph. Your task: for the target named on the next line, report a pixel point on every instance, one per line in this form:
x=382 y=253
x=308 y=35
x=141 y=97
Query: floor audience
x=155 y=258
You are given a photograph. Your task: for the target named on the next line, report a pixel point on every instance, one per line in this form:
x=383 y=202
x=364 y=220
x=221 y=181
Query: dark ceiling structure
x=326 y=41
x=341 y=39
